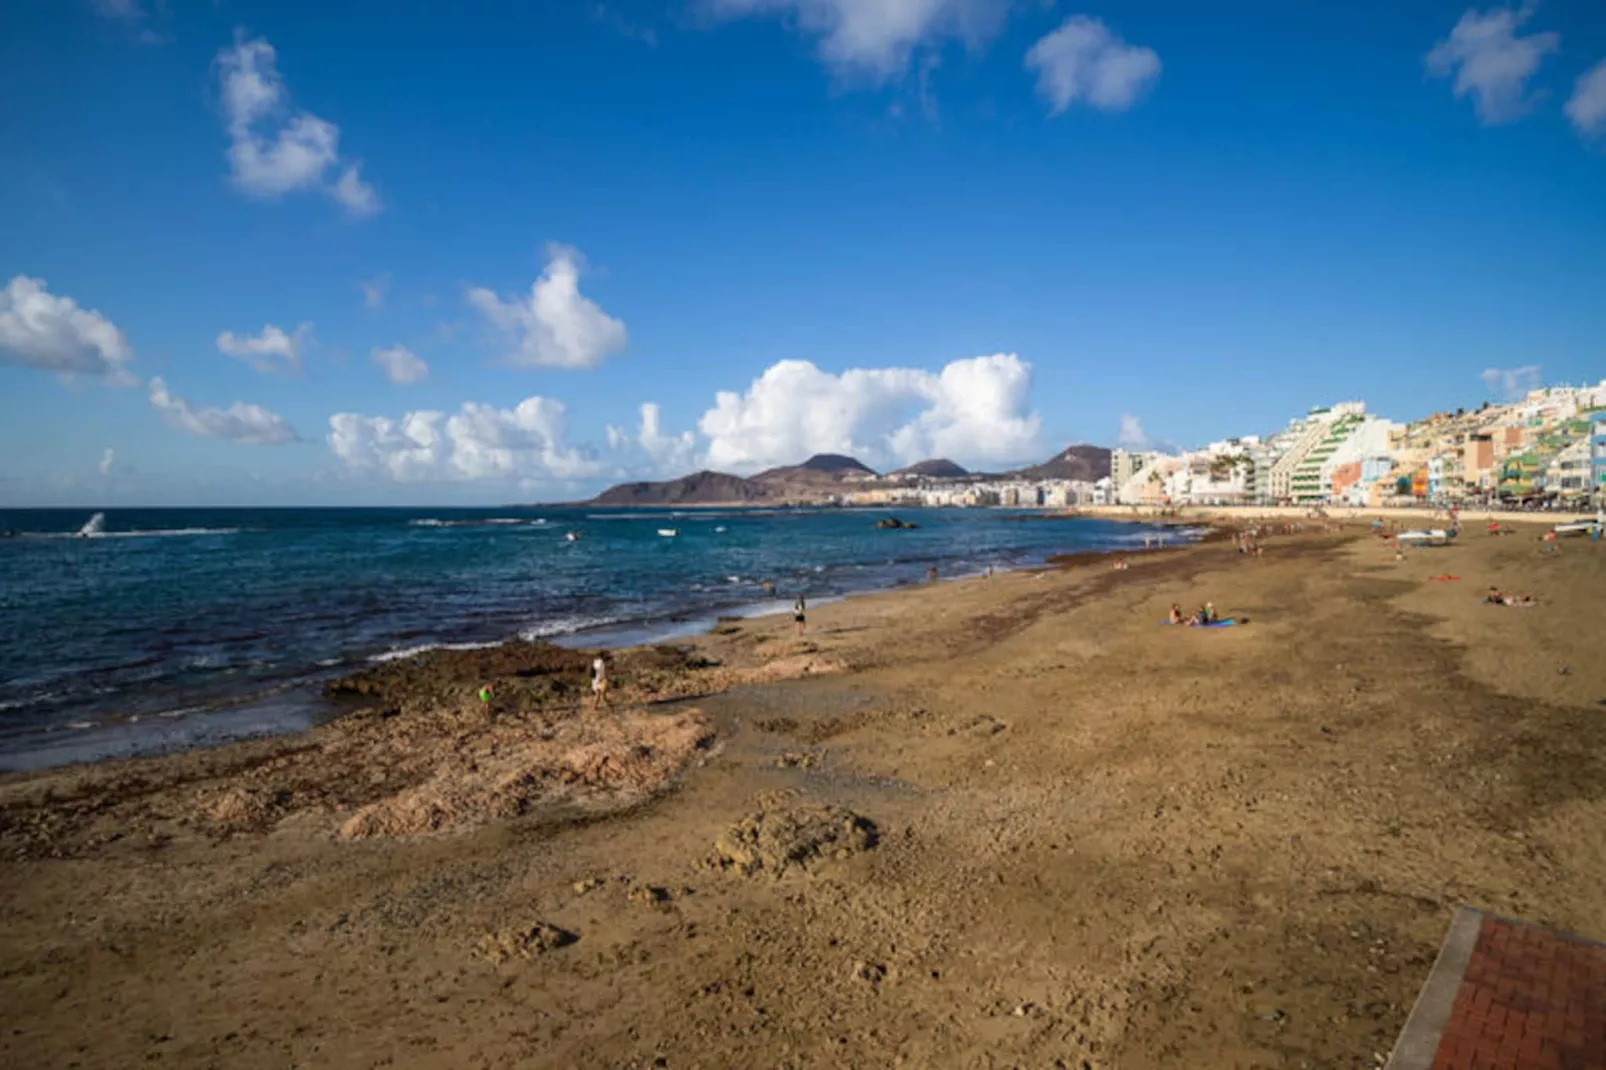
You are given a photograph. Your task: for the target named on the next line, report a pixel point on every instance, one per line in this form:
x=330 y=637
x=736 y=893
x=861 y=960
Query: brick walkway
x=1508 y=996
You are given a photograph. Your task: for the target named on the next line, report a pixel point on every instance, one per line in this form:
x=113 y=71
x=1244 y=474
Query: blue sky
x=903 y=227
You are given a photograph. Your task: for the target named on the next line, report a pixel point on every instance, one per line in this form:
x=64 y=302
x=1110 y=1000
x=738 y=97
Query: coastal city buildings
x=1546 y=448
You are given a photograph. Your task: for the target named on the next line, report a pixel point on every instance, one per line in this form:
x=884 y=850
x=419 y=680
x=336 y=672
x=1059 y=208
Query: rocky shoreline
x=1001 y=821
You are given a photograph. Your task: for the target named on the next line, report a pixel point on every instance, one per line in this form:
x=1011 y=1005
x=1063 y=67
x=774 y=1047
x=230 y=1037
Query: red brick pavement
x=1530 y=999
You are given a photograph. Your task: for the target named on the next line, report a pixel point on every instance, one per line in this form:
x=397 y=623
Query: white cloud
x=41 y=330
x=1511 y=384
x=272 y=350
x=525 y=444
x=107 y=460
x=357 y=196
x=973 y=410
x=1587 y=106
x=1132 y=436
x=1083 y=60
x=664 y=454
x=1490 y=62
x=400 y=365
x=374 y=291
x=556 y=326
x=238 y=423
x=272 y=151
x=874 y=39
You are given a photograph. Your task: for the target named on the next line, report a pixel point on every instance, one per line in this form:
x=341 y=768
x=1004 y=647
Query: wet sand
x=992 y=823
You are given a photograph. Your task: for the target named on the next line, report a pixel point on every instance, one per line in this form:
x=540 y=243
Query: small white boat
x=1431 y=535
x=669 y=533
x=570 y=536
x=1582 y=527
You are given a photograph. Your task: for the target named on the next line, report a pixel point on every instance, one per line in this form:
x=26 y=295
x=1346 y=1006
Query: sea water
x=167 y=628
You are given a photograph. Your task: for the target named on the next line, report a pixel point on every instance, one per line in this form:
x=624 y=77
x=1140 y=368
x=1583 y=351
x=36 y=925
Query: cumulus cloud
x=874 y=39
x=525 y=444
x=107 y=460
x=1511 y=384
x=1084 y=61
x=973 y=410
x=273 y=151
x=239 y=422
x=1490 y=62
x=41 y=330
x=271 y=351
x=556 y=326
x=664 y=454
x=400 y=365
x=1132 y=436
x=1587 y=106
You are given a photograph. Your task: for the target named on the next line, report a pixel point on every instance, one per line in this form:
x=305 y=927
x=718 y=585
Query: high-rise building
x=1597 y=454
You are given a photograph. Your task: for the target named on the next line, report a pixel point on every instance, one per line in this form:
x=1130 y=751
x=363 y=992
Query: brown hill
x=699 y=488
x=936 y=468
x=1084 y=463
x=821 y=468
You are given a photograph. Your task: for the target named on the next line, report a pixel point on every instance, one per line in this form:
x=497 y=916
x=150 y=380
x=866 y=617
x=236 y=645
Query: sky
x=278 y=253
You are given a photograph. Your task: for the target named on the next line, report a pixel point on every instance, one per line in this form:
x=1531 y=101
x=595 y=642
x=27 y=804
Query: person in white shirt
x=599 y=682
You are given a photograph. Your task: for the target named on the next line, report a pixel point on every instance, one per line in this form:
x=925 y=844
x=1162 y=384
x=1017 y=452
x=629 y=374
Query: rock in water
x=777 y=840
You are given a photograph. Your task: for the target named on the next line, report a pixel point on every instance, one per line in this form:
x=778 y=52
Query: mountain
x=1087 y=464
x=936 y=468
x=812 y=480
x=699 y=488
x=821 y=468
x=822 y=478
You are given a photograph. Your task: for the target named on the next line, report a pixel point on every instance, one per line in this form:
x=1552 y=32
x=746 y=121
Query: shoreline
x=296 y=707
x=1341 y=514
x=1010 y=819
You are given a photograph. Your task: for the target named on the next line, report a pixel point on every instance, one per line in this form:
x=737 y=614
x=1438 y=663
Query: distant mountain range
x=825 y=474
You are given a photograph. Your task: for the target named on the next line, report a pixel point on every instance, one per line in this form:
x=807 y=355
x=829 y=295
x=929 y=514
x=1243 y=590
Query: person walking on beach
x=599 y=682
x=800 y=610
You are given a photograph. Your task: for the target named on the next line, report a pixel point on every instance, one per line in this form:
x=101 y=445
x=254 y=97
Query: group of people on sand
x=1496 y=598
x=1205 y=614
x=1248 y=542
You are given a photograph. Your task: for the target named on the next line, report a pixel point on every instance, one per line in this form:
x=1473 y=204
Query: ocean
x=172 y=628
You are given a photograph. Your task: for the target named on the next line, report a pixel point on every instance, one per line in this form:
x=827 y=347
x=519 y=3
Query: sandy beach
x=1003 y=822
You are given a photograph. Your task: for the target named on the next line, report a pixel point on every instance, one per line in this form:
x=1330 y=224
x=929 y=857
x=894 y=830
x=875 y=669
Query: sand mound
x=524 y=942
x=777 y=840
x=607 y=759
x=246 y=807
x=793 y=667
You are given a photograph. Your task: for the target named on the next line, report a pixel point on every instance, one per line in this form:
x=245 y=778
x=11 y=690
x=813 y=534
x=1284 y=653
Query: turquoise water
x=178 y=627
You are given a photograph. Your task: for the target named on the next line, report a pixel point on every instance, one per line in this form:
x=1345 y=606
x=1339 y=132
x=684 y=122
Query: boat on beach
x=1429 y=537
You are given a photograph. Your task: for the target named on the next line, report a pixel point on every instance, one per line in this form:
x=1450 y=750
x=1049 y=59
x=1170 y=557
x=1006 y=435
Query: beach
x=993 y=822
